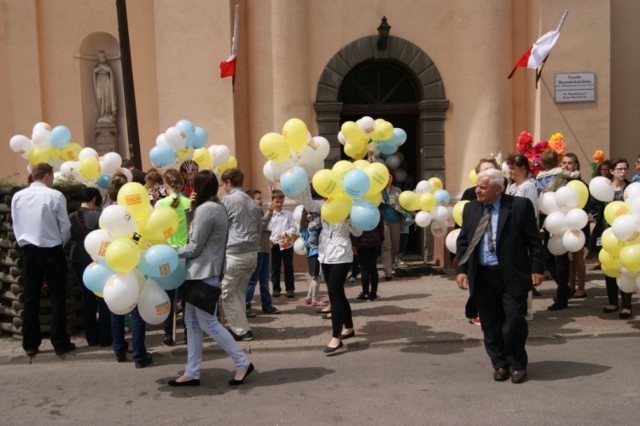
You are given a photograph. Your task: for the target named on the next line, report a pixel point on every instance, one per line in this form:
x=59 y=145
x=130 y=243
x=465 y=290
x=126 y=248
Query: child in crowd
x=310 y=227
x=283 y=227
x=154 y=186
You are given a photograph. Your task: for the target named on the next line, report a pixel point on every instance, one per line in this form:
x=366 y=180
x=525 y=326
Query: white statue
x=105 y=88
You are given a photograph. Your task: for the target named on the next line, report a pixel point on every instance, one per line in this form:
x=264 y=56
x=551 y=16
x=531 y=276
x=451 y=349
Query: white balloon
x=176 y=138
x=423 y=186
x=161 y=140
x=567 y=198
x=341 y=138
x=573 y=240
x=297 y=213
x=153 y=303
x=221 y=155
x=423 y=219
x=367 y=125
x=127 y=173
x=625 y=227
x=267 y=171
x=438 y=229
x=556 y=223
x=316 y=150
x=69 y=168
x=41 y=126
x=40 y=138
x=547 y=203
x=577 y=219
x=118 y=221
x=626 y=283
x=313 y=168
x=88 y=153
x=441 y=214
x=601 y=189
x=96 y=243
x=393 y=161
x=299 y=248
x=121 y=292
x=20 y=144
x=109 y=163
x=555 y=245
x=632 y=191
x=451 y=240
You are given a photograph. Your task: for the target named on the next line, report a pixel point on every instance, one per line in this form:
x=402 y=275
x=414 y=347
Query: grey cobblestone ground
x=413 y=309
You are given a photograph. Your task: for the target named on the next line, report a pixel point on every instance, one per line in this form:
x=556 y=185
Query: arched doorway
x=400 y=84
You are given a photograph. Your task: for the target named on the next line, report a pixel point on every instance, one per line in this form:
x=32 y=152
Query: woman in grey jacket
x=205 y=256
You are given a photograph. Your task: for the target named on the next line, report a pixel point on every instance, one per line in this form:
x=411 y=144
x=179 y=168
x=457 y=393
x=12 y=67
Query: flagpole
x=539 y=72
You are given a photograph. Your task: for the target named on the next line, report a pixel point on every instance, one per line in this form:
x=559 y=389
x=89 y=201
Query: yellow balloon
x=611 y=272
x=457 y=211
x=295 y=132
x=582 y=190
x=350 y=130
x=327 y=183
x=375 y=198
x=427 y=201
x=274 y=147
x=99 y=294
x=203 y=157
x=38 y=155
x=630 y=257
x=615 y=209
x=70 y=151
x=409 y=200
x=610 y=243
x=122 y=255
x=161 y=223
x=378 y=176
x=231 y=163
x=361 y=164
x=342 y=167
x=89 y=168
x=608 y=260
x=54 y=152
x=135 y=198
x=473 y=176
x=336 y=210
x=183 y=153
x=436 y=184
x=383 y=130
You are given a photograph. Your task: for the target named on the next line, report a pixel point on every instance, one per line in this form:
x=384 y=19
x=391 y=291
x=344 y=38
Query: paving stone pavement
x=420 y=306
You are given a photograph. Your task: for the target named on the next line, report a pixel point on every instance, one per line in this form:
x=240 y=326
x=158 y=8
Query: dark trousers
x=40 y=265
x=355 y=266
x=503 y=320
x=96 y=331
x=279 y=258
x=261 y=275
x=368 y=258
x=558 y=267
x=612 y=293
x=167 y=325
x=335 y=276
x=138 y=331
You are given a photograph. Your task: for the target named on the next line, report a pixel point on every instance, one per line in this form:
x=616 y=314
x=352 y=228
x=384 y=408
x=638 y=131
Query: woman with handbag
x=205 y=257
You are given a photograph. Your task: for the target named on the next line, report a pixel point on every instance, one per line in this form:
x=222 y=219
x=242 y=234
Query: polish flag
x=228 y=67
x=538 y=53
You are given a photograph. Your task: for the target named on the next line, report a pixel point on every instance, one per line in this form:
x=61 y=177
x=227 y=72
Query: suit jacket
x=518 y=244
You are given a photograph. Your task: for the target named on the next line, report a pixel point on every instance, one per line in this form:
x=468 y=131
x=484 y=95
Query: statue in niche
x=105 y=88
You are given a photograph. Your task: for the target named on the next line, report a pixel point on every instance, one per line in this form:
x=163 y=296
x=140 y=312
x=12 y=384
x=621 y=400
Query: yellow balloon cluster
x=356 y=136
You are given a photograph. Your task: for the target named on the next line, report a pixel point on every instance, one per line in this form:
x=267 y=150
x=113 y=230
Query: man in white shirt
x=41 y=226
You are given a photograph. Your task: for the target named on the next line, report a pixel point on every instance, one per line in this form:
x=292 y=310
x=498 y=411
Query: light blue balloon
x=103 y=181
x=201 y=138
x=364 y=215
x=387 y=148
x=356 y=184
x=96 y=275
x=189 y=132
x=175 y=280
x=294 y=181
x=399 y=137
x=442 y=197
x=162 y=156
x=159 y=261
x=60 y=136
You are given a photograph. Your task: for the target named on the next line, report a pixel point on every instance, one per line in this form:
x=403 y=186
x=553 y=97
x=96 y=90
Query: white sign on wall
x=575 y=87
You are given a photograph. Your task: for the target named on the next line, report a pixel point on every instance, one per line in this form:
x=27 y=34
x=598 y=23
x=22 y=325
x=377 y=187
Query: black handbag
x=200 y=295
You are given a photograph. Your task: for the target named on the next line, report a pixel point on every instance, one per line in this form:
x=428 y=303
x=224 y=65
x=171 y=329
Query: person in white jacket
x=335 y=256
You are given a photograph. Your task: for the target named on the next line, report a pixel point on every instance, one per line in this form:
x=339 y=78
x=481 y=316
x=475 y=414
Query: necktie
x=484 y=224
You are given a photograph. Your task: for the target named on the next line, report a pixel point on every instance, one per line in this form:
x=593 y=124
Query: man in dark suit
x=499 y=255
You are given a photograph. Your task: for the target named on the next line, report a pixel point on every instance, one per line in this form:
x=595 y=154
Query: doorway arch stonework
x=432 y=106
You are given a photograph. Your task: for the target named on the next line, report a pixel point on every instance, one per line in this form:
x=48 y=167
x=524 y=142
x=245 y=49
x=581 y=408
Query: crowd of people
x=233 y=244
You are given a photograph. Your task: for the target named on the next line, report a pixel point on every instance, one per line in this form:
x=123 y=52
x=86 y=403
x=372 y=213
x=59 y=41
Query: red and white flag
x=228 y=67
x=538 y=53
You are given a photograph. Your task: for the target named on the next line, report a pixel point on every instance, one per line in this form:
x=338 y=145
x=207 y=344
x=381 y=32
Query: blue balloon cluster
x=364 y=215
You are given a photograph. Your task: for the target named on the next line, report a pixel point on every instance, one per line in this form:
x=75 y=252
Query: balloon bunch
x=132 y=265
x=565 y=217
x=292 y=156
x=46 y=145
x=431 y=201
x=378 y=136
x=352 y=189
x=92 y=169
x=620 y=254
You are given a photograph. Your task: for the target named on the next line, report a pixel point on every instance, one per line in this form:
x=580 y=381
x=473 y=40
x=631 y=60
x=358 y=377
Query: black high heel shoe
x=329 y=349
x=348 y=335
x=235 y=382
